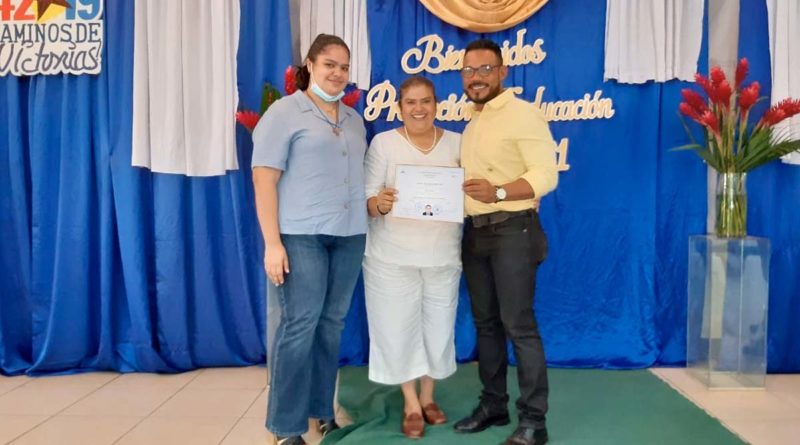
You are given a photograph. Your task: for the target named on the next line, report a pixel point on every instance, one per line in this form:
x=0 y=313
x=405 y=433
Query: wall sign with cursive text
x=431 y=55
x=50 y=37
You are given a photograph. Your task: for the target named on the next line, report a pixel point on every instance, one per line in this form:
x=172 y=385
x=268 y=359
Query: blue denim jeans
x=314 y=301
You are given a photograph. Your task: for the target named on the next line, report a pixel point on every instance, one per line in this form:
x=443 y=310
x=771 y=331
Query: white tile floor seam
x=28 y=429
x=228 y=433
x=20 y=436
x=230 y=430
x=10 y=386
x=157 y=407
x=61 y=413
x=233 y=427
x=792 y=399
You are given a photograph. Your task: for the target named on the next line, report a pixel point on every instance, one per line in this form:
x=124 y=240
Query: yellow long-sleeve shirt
x=509 y=139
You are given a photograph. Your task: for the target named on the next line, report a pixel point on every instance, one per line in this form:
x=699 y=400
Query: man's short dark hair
x=485 y=44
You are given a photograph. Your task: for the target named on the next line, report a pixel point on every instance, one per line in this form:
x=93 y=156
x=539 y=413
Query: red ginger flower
x=780 y=111
x=710 y=120
x=717 y=88
x=774 y=115
x=741 y=72
x=720 y=114
x=790 y=107
x=290 y=80
x=705 y=84
x=749 y=96
x=248 y=119
x=694 y=100
x=688 y=110
x=717 y=76
x=351 y=99
x=723 y=93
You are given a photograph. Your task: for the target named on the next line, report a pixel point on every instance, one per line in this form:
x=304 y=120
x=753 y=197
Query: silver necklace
x=424 y=150
x=337 y=129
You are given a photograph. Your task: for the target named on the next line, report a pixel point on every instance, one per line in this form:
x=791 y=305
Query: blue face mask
x=321 y=93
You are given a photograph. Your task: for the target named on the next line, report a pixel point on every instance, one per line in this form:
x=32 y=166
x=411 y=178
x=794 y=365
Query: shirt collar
x=501 y=100
x=498 y=102
x=305 y=104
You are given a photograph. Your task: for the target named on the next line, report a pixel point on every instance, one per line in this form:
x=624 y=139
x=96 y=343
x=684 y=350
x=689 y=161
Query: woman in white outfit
x=412 y=268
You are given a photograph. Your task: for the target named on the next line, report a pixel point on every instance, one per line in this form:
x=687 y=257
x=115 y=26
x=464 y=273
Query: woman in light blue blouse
x=308 y=171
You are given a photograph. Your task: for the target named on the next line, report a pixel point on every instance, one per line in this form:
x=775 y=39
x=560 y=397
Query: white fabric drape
x=652 y=40
x=184 y=86
x=784 y=45
x=346 y=19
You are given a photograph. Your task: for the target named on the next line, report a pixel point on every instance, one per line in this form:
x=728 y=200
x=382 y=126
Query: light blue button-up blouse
x=321 y=189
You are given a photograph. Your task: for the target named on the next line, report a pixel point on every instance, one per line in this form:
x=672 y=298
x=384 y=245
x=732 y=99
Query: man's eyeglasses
x=483 y=70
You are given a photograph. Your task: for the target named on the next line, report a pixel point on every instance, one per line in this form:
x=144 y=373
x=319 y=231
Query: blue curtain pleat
x=107 y=266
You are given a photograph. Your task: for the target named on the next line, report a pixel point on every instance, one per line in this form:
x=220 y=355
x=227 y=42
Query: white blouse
x=403 y=241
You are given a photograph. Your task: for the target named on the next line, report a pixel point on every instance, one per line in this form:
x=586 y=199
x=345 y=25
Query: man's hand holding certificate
x=429 y=193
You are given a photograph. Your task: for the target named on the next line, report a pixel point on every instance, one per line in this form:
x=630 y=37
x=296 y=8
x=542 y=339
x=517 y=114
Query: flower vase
x=731 y=205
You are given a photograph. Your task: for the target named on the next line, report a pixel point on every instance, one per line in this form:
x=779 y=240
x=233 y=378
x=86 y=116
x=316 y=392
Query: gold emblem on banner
x=483 y=15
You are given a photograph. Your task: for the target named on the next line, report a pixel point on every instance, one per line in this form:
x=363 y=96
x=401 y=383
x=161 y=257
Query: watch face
x=501 y=193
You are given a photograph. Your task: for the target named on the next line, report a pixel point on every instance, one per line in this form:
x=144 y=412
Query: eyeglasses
x=483 y=70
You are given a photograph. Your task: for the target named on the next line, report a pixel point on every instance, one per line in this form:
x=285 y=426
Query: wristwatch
x=499 y=194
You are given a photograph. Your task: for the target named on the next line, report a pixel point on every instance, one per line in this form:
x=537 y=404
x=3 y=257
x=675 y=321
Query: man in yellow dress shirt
x=509 y=159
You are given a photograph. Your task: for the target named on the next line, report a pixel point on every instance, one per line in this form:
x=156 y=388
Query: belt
x=488 y=219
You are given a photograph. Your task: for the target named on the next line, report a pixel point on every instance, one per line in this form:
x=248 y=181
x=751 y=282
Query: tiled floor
x=228 y=406
x=210 y=406
x=766 y=417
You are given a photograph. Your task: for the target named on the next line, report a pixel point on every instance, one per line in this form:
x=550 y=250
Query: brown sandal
x=433 y=415
x=413 y=426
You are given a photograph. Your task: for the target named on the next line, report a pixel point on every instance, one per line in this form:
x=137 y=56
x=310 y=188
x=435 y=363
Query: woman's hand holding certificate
x=385 y=200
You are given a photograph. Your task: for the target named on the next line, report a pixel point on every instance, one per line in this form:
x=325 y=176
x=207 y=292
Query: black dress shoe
x=527 y=435
x=291 y=440
x=480 y=419
x=326 y=426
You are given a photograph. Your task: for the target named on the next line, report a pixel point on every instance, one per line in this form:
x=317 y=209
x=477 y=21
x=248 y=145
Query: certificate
x=429 y=193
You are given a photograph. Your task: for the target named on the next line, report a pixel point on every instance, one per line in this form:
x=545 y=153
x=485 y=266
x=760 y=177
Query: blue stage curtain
x=106 y=266
x=613 y=291
x=773 y=206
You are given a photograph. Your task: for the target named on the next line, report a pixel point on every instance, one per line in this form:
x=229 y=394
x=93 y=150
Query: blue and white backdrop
x=108 y=266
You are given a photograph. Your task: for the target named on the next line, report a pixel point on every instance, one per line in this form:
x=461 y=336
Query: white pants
x=411 y=312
